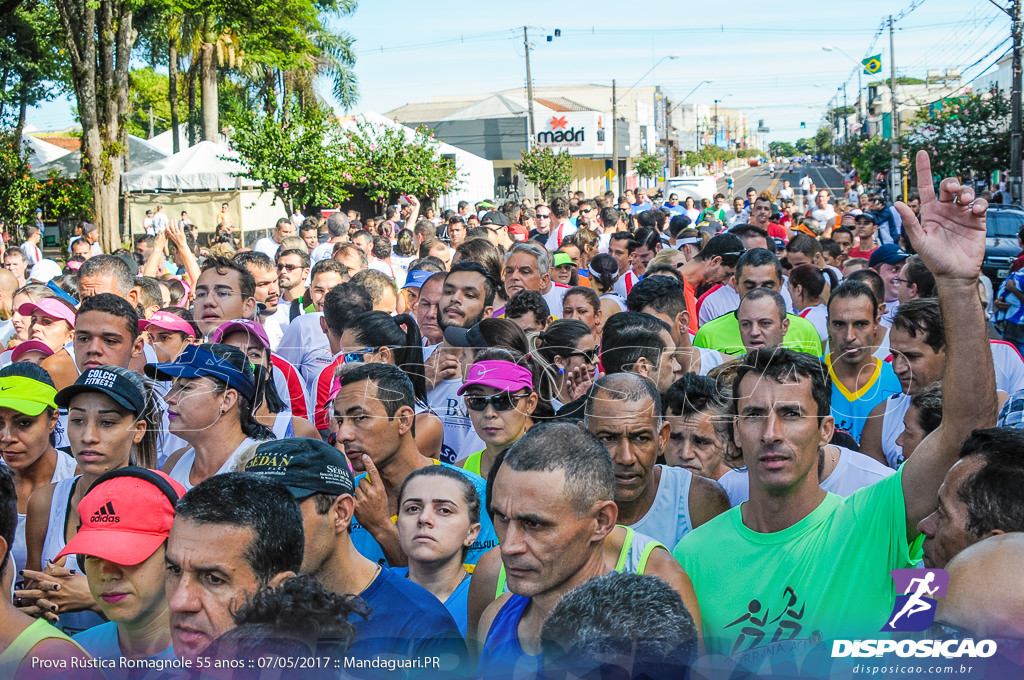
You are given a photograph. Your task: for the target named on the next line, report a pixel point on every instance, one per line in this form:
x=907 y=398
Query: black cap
x=303 y=466
x=494 y=217
x=108 y=380
x=729 y=247
x=465 y=337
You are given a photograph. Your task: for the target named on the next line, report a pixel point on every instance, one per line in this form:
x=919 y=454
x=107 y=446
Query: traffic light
x=803 y=125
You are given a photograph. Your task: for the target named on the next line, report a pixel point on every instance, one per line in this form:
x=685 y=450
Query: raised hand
x=950 y=238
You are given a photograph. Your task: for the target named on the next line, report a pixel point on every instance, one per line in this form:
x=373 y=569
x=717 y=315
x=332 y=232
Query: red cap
x=125 y=519
x=30 y=346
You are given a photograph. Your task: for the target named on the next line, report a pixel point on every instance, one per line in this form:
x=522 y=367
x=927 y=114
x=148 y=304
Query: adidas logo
x=105 y=514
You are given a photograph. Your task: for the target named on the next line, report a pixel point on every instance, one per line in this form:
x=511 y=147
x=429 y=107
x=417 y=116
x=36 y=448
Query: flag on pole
x=873 y=64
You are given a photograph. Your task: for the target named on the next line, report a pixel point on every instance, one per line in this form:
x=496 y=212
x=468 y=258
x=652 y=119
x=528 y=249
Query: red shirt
x=866 y=254
x=322 y=414
x=776 y=230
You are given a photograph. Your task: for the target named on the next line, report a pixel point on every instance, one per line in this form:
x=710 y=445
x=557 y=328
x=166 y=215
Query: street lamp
x=615 y=116
x=860 y=69
x=669 y=109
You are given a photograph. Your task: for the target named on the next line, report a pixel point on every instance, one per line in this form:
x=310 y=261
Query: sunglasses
x=289 y=267
x=590 y=356
x=543 y=217
x=586 y=210
x=503 y=401
x=356 y=356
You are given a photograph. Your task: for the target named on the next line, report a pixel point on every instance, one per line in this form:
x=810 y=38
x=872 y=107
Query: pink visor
x=251 y=327
x=501 y=375
x=168 y=322
x=50 y=307
x=30 y=346
x=74 y=265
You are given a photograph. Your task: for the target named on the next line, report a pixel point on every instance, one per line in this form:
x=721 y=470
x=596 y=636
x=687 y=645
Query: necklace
x=372 y=578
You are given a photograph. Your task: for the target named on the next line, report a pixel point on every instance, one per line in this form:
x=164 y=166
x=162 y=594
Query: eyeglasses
x=289 y=267
x=899 y=281
x=542 y=217
x=503 y=401
x=357 y=356
x=586 y=210
x=220 y=293
x=590 y=356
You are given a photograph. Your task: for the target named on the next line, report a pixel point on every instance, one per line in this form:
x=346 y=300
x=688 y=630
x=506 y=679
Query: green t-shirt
x=774 y=596
x=723 y=334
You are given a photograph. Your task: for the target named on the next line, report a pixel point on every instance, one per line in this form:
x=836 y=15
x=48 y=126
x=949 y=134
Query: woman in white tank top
x=210 y=405
x=112 y=423
x=28 y=416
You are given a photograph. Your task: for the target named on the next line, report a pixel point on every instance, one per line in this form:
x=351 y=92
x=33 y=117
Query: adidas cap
x=304 y=466
x=125 y=518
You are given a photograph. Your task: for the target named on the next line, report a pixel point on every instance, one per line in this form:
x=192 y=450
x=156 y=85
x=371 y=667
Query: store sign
x=581 y=133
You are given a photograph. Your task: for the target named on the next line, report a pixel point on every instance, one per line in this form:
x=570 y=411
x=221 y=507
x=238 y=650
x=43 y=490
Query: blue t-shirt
x=406 y=623
x=101 y=643
x=457 y=603
x=368 y=547
x=851 y=410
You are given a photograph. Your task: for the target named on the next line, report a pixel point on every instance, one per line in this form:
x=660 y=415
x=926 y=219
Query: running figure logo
x=915 y=607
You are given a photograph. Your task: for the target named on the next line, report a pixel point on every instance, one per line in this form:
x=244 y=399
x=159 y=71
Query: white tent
x=197 y=168
x=42 y=152
x=140 y=153
x=165 y=140
x=476 y=174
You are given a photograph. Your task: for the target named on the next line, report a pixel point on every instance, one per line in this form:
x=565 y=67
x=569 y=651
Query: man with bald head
x=762 y=319
x=985 y=597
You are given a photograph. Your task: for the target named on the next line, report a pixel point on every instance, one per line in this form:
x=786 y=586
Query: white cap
x=45 y=270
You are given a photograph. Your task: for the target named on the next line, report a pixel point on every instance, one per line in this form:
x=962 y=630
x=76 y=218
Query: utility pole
x=529 y=91
x=846 y=117
x=615 y=142
x=1016 y=132
x=894 y=167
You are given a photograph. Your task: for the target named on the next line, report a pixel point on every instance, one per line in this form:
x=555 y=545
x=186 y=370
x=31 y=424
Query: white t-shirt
x=818 y=315
x=160 y=222
x=321 y=252
x=786 y=193
x=554 y=298
x=276 y=324
x=853 y=471
x=1009 y=366
x=267 y=246
x=32 y=252
x=823 y=215
x=460 y=439
x=805 y=183
x=556 y=235
x=304 y=345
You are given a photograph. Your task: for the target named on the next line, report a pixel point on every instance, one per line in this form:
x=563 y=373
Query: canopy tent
x=165 y=140
x=198 y=168
x=42 y=152
x=476 y=174
x=140 y=153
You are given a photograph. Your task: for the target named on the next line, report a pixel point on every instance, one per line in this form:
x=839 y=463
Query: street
x=824 y=177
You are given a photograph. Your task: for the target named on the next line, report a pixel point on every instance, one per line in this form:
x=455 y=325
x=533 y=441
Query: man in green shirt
x=723 y=334
x=795 y=566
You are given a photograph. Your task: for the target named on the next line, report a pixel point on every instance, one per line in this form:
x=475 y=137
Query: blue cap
x=196 y=361
x=890 y=253
x=416 y=278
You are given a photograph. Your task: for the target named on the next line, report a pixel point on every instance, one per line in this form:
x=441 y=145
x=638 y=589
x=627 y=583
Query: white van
x=694 y=186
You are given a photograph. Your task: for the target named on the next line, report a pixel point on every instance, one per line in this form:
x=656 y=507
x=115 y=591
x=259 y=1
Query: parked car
x=1003 y=223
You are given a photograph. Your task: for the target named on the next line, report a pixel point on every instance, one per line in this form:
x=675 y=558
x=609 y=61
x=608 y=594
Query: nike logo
x=481 y=372
x=2 y=389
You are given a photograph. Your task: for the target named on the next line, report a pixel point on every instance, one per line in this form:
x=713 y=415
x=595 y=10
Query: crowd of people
x=533 y=440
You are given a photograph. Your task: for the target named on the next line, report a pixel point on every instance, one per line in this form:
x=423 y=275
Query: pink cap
x=501 y=375
x=30 y=346
x=169 y=322
x=252 y=327
x=51 y=307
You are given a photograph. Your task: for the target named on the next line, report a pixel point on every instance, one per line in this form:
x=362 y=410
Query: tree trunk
x=193 y=72
x=269 y=86
x=3 y=88
x=172 y=91
x=286 y=112
x=208 y=82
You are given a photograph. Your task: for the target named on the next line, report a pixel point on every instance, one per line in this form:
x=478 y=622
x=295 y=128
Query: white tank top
x=283 y=428
x=668 y=519
x=64 y=469
x=60 y=515
x=182 y=470
x=892 y=427
x=616 y=298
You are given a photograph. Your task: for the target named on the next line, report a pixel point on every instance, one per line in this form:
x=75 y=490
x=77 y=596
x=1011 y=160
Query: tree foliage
x=550 y=171
x=966 y=136
x=300 y=160
x=148 y=90
x=823 y=141
x=869 y=155
x=65 y=197
x=18 y=189
x=385 y=161
x=648 y=165
x=783 y=149
x=30 y=57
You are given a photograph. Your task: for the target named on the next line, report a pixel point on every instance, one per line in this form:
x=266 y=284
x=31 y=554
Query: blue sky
x=765 y=59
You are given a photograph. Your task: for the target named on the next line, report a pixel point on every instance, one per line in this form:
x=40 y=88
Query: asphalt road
x=824 y=177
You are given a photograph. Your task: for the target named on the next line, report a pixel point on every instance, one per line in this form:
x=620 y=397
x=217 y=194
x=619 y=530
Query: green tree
x=65 y=197
x=965 y=136
x=648 y=165
x=783 y=149
x=30 y=59
x=550 y=171
x=302 y=161
x=385 y=161
x=18 y=189
x=869 y=155
x=148 y=92
x=823 y=141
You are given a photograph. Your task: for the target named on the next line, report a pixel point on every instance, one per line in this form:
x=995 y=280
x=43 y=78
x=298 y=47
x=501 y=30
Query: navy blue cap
x=890 y=253
x=416 y=278
x=196 y=362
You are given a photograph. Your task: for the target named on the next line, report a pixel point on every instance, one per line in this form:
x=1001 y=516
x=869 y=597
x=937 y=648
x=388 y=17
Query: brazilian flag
x=872 y=65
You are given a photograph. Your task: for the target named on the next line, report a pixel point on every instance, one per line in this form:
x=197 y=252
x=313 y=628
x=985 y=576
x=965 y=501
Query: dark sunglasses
x=503 y=401
x=590 y=356
x=356 y=356
x=289 y=267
